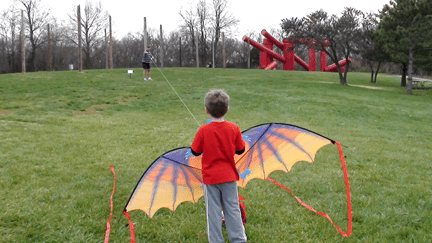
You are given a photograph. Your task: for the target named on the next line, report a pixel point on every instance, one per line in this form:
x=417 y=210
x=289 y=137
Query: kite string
x=131 y=226
x=176 y=93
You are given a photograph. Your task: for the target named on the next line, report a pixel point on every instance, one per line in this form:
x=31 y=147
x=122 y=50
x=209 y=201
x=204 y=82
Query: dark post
x=106 y=50
x=180 y=53
x=162 y=48
x=213 y=53
x=23 y=64
x=197 y=58
x=49 y=50
x=248 y=53
x=79 y=40
x=145 y=34
x=223 y=50
x=111 y=45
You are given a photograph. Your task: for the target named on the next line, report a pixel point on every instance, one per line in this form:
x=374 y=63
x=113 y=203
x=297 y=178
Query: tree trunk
x=346 y=72
x=372 y=71
x=3 y=57
x=342 y=78
x=32 y=58
x=87 y=58
x=410 y=70
x=404 y=73
x=376 y=74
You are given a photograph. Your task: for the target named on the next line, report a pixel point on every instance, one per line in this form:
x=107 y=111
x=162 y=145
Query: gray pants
x=223 y=197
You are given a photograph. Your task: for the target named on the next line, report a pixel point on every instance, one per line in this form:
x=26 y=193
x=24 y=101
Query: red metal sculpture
x=267 y=55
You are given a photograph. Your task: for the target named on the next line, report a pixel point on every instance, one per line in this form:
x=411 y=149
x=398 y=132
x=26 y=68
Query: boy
x=218 y=141
x=146 y=63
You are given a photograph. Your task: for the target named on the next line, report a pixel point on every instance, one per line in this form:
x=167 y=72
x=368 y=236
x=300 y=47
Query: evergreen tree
x=405 y=32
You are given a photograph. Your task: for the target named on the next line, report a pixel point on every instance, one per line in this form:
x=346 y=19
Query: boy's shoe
x=145 y=79
x=150 y=78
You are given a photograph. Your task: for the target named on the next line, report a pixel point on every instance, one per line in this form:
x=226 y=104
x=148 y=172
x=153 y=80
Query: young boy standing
x=146 y=63
x=218 y=141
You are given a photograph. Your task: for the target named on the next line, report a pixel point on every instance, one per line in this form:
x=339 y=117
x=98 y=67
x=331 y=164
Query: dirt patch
x=6 y=112
x=368 y=87
x=93 y=109
x=90 y=111
x=120 y=101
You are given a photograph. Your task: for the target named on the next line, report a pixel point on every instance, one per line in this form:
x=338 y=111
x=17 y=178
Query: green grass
x=56 y=182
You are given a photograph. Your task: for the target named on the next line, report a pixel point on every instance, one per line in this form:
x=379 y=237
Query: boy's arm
x=240 y=143
x=196 y=147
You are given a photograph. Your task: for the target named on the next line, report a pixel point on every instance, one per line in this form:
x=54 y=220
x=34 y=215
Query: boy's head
x=148 y=48
x=216 y=103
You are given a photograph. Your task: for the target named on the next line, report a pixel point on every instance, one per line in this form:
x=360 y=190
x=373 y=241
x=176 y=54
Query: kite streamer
x=348 y=193
x=108 y=224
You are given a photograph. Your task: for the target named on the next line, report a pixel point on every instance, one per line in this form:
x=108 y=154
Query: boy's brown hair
x=216 y=103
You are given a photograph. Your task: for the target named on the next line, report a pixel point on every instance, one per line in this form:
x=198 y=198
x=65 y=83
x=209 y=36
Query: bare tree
x=60 y=47
x=371 y=51
x=127 y=51
x=8 y=26
x=222 y=20
x=203 y=31
x=37 y=18
x=190 y=25
x=93 y=21
x=207 y=21
x=341 y=34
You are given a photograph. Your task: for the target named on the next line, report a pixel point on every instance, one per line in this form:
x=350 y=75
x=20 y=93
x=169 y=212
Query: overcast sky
x=128 y=16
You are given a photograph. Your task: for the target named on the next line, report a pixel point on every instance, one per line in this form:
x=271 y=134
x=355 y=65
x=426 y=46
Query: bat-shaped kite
x=176 y=176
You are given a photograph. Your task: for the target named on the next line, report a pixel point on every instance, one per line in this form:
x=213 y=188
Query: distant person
x=218 y=142
x=146 y=63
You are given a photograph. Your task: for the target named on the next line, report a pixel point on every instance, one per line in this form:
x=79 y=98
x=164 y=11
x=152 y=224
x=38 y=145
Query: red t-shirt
x=218 y=141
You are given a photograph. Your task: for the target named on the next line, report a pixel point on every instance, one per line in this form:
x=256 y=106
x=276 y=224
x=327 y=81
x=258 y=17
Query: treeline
x=53 y=45
x=399 y=34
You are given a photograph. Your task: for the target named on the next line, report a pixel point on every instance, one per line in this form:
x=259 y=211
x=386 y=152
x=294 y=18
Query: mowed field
x=60 y=132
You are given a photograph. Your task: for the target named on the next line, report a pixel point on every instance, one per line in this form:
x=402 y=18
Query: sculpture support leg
x=312 y=59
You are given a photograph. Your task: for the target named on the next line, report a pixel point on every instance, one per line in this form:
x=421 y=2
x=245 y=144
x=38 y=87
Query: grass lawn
x=55 y=154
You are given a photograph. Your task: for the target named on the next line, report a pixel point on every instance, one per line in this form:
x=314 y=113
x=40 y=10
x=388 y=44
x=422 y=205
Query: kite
x=175 y=177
